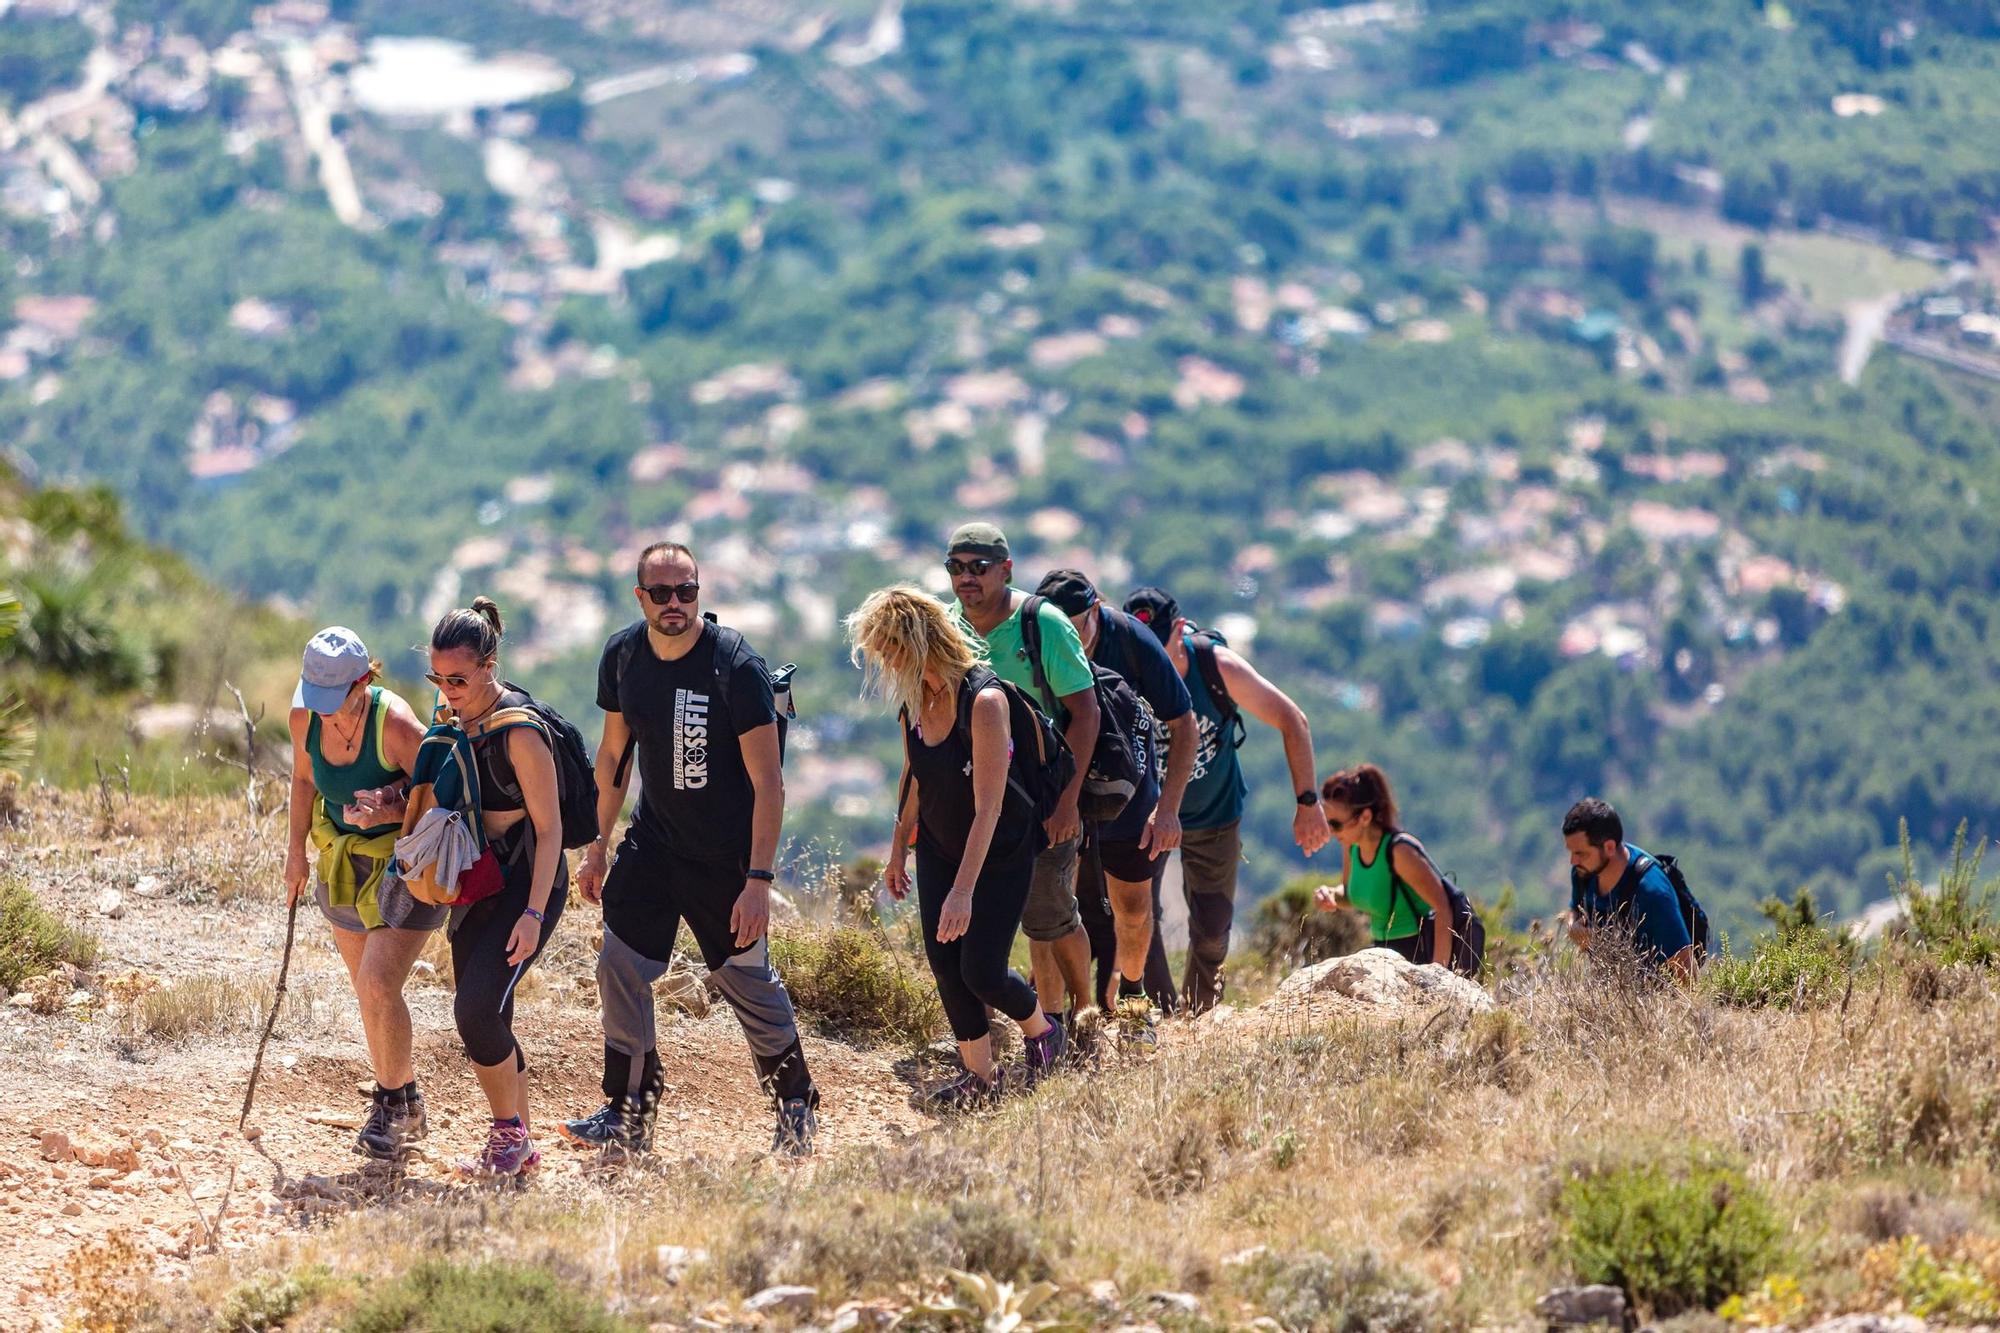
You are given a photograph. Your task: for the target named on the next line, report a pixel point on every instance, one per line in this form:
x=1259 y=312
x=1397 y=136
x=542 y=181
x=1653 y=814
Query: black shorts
x=1126 y=861
x=652 y=888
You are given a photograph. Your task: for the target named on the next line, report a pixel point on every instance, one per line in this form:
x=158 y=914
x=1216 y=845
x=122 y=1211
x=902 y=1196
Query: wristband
x=529 y=911
x=764 y=875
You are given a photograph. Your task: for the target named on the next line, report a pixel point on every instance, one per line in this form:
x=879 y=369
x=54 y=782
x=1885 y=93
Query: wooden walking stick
x=277 y=1003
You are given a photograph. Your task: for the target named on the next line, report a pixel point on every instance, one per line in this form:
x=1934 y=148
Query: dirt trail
x=160 y=1116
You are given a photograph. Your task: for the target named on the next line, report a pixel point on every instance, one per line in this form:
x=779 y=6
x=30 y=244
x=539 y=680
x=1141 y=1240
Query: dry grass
x=1406 y=1174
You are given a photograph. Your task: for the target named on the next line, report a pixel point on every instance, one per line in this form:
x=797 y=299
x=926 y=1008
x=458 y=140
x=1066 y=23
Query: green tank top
x=1395 y=911
x=371 y=768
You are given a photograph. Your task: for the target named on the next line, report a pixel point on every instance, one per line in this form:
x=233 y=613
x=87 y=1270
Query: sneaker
x=509 y=1153
x=796 y=1127
x=394 y=1123
x=612 y=1125
x=1046 y=1053
x=1137 y=1023
x=967 y=1092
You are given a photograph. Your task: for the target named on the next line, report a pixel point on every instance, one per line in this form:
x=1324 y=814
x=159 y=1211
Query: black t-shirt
x=694 y=790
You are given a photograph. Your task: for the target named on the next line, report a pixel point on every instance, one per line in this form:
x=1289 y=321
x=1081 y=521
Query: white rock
x=1104 y=1292
x=149 y=886
x=1871 y=1323
x=675 y=1260
x=1244 y=1258
x=1384 y=977
x=1180 y=1302
x=111 y=903
x=793 y=1300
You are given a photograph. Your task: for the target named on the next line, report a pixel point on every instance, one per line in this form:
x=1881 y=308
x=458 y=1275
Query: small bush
x=1673 y=1240
x=1354 y=1293
x=1801 y=965
x=33 y=940
x=190 y=1005
x=1960 y=1285
x=876 y=1245
x=264 y=1302
x=443 y=1297
x=1289 y=931
x=854 y=982
x=1957 y=923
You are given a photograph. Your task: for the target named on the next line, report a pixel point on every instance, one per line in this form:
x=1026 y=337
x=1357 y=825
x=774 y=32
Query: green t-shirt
x=1063 y=662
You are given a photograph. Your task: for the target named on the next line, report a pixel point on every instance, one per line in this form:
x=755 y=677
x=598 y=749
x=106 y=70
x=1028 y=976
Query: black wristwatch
x=764 y=875
x=1308 y=797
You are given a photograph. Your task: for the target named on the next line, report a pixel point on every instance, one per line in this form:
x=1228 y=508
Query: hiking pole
x=277 y=1003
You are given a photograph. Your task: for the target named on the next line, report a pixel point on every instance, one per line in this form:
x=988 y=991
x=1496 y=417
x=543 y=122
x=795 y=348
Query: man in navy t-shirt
x=1617 y=886
x=1131 y=848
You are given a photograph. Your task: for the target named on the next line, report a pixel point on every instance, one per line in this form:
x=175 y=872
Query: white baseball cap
x=334 y=659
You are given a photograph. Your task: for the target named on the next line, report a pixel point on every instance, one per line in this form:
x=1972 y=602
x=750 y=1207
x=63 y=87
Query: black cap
x=1154 y=608
x=1069 y=589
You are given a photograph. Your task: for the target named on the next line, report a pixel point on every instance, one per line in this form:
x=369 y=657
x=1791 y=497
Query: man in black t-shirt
x=695 y=701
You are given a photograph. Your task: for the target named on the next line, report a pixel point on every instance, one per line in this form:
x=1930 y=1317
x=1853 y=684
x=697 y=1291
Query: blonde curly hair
x=901 y=632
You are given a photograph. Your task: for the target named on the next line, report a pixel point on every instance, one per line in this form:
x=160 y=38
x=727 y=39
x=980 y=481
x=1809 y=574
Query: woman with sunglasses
x=494 y=940
x=352 y=746
x=1387 y=874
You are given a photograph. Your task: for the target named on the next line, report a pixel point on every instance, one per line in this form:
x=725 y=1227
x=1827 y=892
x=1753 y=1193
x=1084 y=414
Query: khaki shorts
x=1051 y=911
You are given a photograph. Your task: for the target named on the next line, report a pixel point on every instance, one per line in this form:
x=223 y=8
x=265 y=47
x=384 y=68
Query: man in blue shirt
x=1616 y=887
x=1131 y=848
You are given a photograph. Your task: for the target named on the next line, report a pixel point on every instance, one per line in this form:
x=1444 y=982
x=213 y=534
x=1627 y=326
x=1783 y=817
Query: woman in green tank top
x=353 y=743
x=1387 y=875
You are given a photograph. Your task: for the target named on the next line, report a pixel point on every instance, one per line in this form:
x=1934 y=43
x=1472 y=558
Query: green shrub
x=443 y=1297
x=1354 y=1293
x=267 y=1300
x=33 y=940
x=1957 y=923
x=1674 y=1240
x=1802 y=964
x=856 y=982
x=1289 y=931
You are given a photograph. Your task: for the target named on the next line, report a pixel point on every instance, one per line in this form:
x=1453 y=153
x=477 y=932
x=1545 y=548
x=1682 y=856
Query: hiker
x=1128 y=852
x=1387 y=875
x=981 y=570
x=1615 y=886
x=976 y=839
x=496 y=939
x=1224 y=687
x=353 y=742
x=694 y=701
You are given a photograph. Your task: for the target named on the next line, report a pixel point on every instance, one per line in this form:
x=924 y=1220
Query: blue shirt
x=1126 y=646
x=1659 y=931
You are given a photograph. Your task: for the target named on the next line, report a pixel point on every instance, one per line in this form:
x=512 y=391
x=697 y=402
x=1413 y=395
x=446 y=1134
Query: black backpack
x=1113 y=778
x=730 y=648
x=576 y=777
x=1692 y=914
x=1468 y=932
x=1038 y=773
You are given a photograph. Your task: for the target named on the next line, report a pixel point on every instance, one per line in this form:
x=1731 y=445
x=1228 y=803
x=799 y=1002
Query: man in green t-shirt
x=982 y=573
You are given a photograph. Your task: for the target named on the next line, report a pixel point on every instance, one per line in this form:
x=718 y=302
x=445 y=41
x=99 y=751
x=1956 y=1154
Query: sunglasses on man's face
x=660 y=594
x=976 y=568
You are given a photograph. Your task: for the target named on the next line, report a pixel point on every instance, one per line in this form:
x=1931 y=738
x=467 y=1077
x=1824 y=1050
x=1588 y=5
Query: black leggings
x=479 y=961
x=972 y=970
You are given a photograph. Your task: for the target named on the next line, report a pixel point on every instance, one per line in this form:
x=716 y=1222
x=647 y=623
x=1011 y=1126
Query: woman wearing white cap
x=352 y=746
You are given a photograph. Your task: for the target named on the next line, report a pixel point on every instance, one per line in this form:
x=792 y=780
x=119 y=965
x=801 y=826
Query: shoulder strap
x=625 y=655
x=1202 y=648
x=1396 y=881
x=1031 y=643
x=381 y=708
x=729 y=645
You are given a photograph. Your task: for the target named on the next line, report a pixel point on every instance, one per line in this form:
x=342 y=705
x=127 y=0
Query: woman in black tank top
x=976 y=844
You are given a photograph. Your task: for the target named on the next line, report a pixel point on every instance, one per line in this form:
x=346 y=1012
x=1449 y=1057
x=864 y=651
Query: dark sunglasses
x=1338 y=824
x=453 y=682
x=660 y=594
x=976 y=568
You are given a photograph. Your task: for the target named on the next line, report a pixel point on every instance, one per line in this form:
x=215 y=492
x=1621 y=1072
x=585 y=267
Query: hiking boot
x=796 y=1127
x=509 y=1153
x=614 y=1125
x=393 y=1124
x=1137 y=1023
x=1046 y=1053
x=967 y=1092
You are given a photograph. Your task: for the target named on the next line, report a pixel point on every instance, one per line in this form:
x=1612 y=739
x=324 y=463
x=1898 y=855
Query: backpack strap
x=1031 y=643
x=979 y=679
x=1397 y=885
x=625 y=656
x=1202 y=648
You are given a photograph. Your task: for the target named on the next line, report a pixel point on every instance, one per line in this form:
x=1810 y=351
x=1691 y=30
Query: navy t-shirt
x=694 y=790
x=1126 y=646
x=1659 y=931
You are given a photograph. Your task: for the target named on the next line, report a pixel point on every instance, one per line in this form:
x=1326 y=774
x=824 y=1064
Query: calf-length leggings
x=484 y=1003
x=972 y=971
